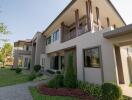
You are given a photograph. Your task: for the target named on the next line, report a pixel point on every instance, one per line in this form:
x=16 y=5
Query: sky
x=25 y=17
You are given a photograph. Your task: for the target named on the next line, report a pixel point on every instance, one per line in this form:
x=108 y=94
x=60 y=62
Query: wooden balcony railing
x=83 y=29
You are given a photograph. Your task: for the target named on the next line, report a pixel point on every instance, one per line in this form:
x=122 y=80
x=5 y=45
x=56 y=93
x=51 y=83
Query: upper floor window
x=92 y=57
x=56 y=35
x=27 y=48
x=48 y=41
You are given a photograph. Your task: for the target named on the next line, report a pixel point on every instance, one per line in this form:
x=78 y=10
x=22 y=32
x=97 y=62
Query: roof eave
x=66 y=8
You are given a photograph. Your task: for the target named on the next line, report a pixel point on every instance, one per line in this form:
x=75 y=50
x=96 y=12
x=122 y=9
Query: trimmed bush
x=39 y=74
x=58 y=72
x=70 y=79
x=94 y=90
x=37 y=68
x=111 y=91
x=32 y=76
x=56 y=82
x=18 y=70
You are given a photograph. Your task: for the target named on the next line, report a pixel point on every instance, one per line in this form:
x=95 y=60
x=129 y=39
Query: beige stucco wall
x=88 y=40
x=40 y=48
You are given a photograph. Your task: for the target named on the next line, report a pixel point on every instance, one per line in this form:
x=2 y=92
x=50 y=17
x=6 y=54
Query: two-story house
x=96 y=35
x=22 y=53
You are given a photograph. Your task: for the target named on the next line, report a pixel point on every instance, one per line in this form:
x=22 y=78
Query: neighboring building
x=97 y=37
x=22 y=53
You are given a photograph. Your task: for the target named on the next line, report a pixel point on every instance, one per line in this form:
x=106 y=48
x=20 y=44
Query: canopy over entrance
x=121 y=36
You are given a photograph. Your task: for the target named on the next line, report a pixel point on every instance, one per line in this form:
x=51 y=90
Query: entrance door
x=119 y=65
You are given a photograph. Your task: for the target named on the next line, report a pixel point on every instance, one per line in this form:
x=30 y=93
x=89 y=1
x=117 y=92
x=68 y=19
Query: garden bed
x=65 y=92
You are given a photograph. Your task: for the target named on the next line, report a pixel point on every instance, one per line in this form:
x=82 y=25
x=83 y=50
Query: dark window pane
x=92 y=57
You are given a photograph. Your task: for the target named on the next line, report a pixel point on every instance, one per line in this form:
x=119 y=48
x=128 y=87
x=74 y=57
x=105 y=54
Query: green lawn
x=37 y=96
x=9 y=77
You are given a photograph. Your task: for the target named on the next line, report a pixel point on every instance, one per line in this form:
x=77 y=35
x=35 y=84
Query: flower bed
x=65 y=92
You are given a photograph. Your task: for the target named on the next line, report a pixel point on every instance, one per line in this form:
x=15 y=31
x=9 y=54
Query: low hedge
x=108 y=91
x=37 y=68
x=94 y=90
x=18 y=70
x=111 y=91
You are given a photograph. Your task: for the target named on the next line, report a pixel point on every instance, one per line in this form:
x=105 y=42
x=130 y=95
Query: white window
x=56 y=35
x=43 y=61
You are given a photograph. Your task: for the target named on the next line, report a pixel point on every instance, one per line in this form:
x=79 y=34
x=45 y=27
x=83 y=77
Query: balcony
x=22 y=52
x=82 y=30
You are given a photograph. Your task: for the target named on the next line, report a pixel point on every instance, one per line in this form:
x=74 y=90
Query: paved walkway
x=127 y=91
x=18 y=92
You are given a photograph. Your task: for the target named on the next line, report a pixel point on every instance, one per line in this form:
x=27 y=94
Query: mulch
x=45 y=90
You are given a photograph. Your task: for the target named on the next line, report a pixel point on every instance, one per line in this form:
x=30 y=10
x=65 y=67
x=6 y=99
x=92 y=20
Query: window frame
x=100 y=57
x=48 y=40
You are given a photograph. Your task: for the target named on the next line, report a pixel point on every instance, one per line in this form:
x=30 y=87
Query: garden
x=66 y=87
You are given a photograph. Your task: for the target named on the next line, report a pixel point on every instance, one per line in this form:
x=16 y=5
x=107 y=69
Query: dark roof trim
x=66 y=8
x=116 y=11
x=118 y=32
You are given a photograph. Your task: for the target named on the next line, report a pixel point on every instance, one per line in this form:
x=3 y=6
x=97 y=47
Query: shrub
x=58 y=72
x=70 y=79
x=37 y=68
x=56 y=82
x=18 y=70
x=111 y=92
x=32 y=76
x=13 y=69
x=39 y=74
x=94 y=90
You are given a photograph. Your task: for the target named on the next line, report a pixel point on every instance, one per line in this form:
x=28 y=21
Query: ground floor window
x=54 y=62
x=43 y=62
x=92 y=57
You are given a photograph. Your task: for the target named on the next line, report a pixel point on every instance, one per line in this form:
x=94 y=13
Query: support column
x=98 y=18
x=62 y=32
x=119 y=65
x=108 y=22
x=77 y=22
x=89 y=14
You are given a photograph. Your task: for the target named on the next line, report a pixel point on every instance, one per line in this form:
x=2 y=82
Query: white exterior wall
x=88 y=40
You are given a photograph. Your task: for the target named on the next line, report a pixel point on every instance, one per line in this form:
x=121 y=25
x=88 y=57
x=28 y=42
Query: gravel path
x=18 y=92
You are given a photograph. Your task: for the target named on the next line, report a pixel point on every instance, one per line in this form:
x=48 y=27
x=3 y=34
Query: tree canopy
x=3 y=31
x=5 y=51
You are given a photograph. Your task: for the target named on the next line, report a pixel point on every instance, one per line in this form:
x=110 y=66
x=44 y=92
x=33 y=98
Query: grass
x=9 y=77
x=38 y=96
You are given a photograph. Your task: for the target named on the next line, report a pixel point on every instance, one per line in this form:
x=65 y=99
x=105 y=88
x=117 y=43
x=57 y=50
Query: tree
x=3 y=29
x=6 y=51
x=70 y=78
x=3 y=32
x=1 y=57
